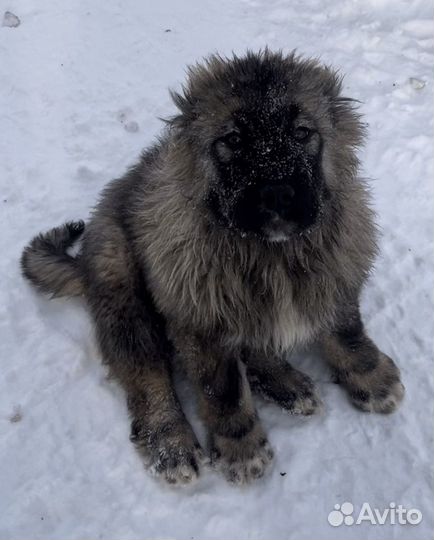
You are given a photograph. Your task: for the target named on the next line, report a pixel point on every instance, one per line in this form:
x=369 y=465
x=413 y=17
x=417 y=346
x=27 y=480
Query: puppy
x=243 y=232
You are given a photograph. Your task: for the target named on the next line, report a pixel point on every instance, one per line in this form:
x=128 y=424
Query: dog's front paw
x=174 y=457
x=379 y=390
x=244 y=459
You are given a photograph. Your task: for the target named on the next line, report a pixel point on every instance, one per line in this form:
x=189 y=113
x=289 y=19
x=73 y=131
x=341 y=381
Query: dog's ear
x=202 y=85
x=186 y=105
x=344 y=115
x=331 y=81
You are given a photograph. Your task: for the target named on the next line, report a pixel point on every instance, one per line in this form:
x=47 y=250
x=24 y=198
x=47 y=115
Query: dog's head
x=272 y=136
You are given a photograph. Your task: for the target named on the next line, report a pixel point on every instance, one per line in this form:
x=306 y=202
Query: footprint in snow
x=10 y=20
x=16 y=416
x=416 y=83
x=129 y=125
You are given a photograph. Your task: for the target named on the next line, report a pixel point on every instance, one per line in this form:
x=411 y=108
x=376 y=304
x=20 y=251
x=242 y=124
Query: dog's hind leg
x=371 y=378
x=133 y=343
x=273 y=377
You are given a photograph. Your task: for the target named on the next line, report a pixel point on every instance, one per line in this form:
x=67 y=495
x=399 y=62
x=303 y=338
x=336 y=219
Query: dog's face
x=269 y=179
x=263 y=127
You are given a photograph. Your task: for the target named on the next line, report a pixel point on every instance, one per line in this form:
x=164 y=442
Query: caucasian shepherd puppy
x=242 y=233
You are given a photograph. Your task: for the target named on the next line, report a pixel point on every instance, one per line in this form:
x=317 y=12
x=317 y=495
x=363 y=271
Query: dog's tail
x=46 y=263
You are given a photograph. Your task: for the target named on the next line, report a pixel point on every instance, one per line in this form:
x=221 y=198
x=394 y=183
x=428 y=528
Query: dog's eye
x=302 y=133
x=233 y=139
x=227 y=146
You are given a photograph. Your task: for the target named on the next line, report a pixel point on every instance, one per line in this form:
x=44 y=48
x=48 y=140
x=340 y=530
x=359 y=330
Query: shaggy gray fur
x=222 y=249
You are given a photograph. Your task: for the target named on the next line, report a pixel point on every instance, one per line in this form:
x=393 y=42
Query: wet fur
x=167 y=283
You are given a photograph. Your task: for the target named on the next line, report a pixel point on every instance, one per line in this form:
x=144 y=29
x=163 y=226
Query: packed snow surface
x=82 y=87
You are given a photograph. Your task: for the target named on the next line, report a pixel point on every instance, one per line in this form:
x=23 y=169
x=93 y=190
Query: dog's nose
x=277 y=198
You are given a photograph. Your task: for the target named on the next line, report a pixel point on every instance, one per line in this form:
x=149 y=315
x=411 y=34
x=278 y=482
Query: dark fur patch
x=232 y=429
x=224 y=389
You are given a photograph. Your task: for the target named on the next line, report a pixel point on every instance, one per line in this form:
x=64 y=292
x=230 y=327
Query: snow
x=83 y=85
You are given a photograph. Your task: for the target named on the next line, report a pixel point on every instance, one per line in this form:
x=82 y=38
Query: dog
x=244 y=232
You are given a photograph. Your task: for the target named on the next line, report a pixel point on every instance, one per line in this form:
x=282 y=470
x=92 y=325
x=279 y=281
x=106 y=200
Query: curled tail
x=49 y=267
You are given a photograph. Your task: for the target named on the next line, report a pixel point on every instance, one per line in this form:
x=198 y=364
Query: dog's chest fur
x=254 y=296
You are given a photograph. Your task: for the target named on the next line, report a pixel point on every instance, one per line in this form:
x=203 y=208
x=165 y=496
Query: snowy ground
x=82 y=85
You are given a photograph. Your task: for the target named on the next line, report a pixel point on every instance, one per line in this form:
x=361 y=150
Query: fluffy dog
x=243 y=232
